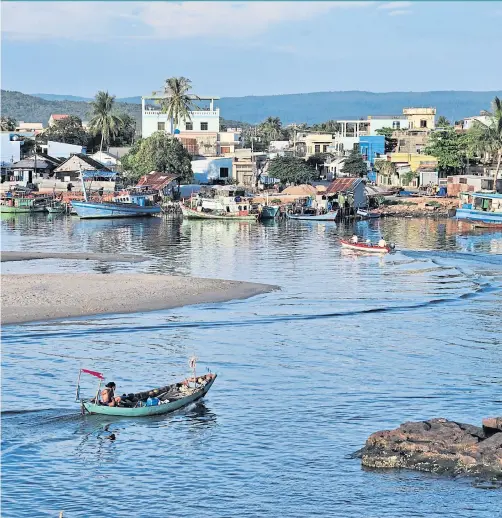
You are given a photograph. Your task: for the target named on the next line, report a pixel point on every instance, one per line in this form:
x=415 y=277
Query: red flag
x=94 y=373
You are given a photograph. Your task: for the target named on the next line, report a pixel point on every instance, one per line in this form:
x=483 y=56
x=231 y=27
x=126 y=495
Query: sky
x=250 y=48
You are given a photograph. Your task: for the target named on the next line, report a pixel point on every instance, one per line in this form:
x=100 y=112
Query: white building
x=10 y=149
x=62 y=150
x=468 y=122
x=205 y=119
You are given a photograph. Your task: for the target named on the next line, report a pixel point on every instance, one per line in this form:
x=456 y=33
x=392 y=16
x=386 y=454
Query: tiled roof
x=343 y=185
x=94 y=164
x=59 y=116
x=156 y=180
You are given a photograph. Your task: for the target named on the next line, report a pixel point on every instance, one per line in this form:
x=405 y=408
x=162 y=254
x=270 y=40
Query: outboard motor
x=392 y=246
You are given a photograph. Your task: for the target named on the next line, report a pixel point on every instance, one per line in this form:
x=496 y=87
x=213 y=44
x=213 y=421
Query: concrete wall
x=414 y=159
x=10 y=149
x=152 y=118
x=395 y=123
x=209 y=169
x=371 y=147
x=60 y=150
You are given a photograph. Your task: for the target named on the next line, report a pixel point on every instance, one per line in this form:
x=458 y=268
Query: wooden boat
x=56 y=207
x=330 y=216
x=367 y=214
x=269 y=212
x=363 y=247
x=18 y=205
x=484 y=224
x=230 y=216
x=166 y=399
x=480 y=208
x=90 y=209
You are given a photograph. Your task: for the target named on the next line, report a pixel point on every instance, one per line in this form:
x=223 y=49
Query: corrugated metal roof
x=156 y=180
x=343 y=185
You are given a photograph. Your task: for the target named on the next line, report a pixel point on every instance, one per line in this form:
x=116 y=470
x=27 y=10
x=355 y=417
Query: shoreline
x=86 y=256
x=42 y=297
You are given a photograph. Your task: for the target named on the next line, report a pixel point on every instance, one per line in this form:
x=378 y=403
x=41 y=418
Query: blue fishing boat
x=480 y=207
x=123 y=206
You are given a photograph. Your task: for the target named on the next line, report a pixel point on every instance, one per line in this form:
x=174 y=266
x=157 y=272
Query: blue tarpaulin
x=90 y=175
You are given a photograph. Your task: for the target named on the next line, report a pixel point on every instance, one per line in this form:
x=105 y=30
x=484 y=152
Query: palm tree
x=271 y=128
x=442 y=122
x=178 y=103
x=104 y=120
x=487 y=137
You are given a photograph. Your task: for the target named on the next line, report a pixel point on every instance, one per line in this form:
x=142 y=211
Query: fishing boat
x=480 y=207
x=482 y=224
x=157 y=401
x=366 y=214
x=269 y=212
x=132 y=205
x=363 y=247
x=220 y=203
x=22 y=204
x=56 y=207
x=307 y=216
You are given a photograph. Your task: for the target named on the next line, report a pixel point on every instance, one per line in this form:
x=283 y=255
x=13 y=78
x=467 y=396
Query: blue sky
x=250 y=48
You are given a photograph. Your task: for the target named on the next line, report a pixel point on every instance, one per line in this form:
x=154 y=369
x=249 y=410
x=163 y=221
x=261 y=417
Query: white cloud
x=399 y=13
x=394 y=5
x=155 y=20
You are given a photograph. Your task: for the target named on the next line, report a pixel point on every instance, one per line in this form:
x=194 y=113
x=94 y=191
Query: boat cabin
x=487 y=202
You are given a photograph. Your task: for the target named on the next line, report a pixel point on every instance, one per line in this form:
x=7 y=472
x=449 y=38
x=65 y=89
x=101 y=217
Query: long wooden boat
x=170 y=398
x=89 y=209
x=481 y=208
x=235 y=216
x=19 y=205
x=330 y=216
x=363 y=247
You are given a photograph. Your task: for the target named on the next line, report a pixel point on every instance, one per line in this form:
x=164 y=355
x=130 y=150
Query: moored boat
x=269 y=211
x=367 y=214
x=363 y=247
x=482 y=224
x=21 y=204
x=329 y=216
x=480 y=207
x=158 y=401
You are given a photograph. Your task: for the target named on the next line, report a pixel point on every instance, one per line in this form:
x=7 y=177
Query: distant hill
x=309 y=108
x=61 y=97
x=34 y=109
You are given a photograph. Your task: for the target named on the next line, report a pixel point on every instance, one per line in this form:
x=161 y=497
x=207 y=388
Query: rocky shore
x=438 y=446
x=419 y=207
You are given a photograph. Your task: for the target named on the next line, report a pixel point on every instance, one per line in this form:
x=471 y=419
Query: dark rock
x=438 y=446
x=493 y=423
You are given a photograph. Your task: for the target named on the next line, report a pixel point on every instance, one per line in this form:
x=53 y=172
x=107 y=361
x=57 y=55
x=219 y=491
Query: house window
x=203 y=126
x=325 y=148
x=225 y=150
x=317 y=148
x=423 y=123
x=161 y=126
x=189 y=126
x=396 y=125
x=223 y=172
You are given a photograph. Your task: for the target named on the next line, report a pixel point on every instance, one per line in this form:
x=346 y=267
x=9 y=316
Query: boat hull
x=90 y=210
x=330 y=216
x=6 y=209
x=361 y=247
x=146 y=411
x=189 y=213
x=269 y=212
x=477 y=216
x=482 y=224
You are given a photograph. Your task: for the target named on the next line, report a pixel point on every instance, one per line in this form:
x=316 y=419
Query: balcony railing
x=197 y=113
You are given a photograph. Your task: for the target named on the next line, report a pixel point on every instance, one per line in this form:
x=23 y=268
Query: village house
x=70 y=172
x=165 y=183
x=33 y=169
x=57 y=117
x=29 y=127
x=353 y=186
x=62 y=150
x=108 y=159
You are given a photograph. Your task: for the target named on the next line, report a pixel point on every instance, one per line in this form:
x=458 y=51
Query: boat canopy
x=488 y=195
x=92 y=175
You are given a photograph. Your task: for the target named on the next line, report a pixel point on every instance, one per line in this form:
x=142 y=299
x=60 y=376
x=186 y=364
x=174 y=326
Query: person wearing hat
x=108 y=396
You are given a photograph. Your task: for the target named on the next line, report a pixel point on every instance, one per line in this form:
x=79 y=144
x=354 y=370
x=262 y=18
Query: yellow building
x=421 y=118
x=317 y=143
x=414 y=159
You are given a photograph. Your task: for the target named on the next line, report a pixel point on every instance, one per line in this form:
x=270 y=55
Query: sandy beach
x=87 y=256
x=35 y=297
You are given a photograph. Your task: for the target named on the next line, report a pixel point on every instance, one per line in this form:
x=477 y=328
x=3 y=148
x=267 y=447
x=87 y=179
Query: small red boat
x=363 y=247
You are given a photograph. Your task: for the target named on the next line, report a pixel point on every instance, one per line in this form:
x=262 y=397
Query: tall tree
x=8 y=123
x=330 y=126
x=159 y=152
x=178 y=103
x=449 y=148
x=487 y=137
x=126 y=131
x=442 y=122
x=103 y=119
x=68 y=130
x=354 y=165
x=290 y=170
x=271 y=129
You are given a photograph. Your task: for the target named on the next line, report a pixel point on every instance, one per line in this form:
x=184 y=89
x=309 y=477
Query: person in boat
x=108 y=397
x=368 y=242
x=382 y=243
x=354 y=239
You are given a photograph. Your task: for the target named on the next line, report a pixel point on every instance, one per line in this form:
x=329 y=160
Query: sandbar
x=90 y=256
x=40 y=297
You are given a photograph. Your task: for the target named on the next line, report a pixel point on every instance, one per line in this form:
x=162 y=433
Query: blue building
x=371 y=147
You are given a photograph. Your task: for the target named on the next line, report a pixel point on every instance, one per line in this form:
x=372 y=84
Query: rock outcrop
x=438 y=446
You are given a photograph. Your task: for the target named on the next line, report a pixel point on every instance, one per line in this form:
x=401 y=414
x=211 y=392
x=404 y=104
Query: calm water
x=350 y=345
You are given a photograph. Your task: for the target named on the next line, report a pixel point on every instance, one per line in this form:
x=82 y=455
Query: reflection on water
x=351 y=344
